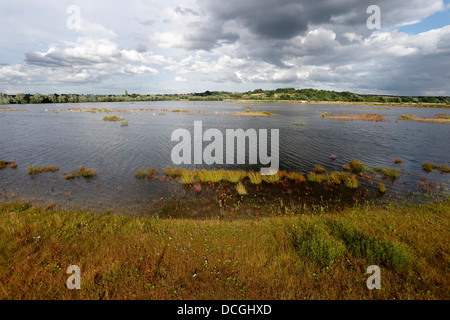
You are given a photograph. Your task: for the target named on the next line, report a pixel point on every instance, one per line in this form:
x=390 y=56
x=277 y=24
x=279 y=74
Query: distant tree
x=37 y=98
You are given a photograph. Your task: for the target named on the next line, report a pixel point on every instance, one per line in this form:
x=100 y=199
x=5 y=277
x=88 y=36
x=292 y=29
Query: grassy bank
x=308 y=256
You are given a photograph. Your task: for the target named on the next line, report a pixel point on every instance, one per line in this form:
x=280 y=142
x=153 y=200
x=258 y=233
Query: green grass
x=299 y=123
x=314 y=242
x=378 y=250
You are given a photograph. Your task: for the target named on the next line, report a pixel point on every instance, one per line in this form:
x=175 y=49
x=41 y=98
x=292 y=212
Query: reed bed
x=370 y=117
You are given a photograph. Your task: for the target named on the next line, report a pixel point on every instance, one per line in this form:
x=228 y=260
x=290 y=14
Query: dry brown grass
x=147 y=258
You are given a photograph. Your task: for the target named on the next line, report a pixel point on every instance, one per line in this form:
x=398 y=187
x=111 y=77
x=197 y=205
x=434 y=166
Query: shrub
x=377 y=250
x=316 y=243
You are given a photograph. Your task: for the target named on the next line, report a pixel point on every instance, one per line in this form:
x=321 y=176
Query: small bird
x=333 y=157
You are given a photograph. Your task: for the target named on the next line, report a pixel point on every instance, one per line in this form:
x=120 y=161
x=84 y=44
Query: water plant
x=32 y=170
x=255 y=177
x=428 y=167
x=319 y=169
x=149 y=173
x=187 y=178
x=299 y=123
x=387 y=173
x=445 y=169
x=273 y=178
x=173 y=172
x=82 y=172
x=371 y=117
x=234 y=176
x=4 y=164
x=295 y=176
x=398 y=160
x=381 y=188
x=112 y=118
x=357 y=166
x=124 y=123
x=351 y=182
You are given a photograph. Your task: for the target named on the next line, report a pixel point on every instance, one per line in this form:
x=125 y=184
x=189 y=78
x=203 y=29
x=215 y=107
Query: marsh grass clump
x=398 y=160
x=357 y=166
x=381 y=188
x=112 y=118
x=149 y=173
x=270 y=179
x=445 y=169
x=241 y=189
x=428 y=167
x=299 y=123
x=351 y=182
x=295 y=176
x=234 y=176
x=376 y=249
x=312 y=177
x=124 y=123
x=254 y=177
x=32 y=170
x=173 y=172
x=337 y=177
x=387 y=173
x=11 y=164
x=316 y=243
x=319 y=169
x=4 y=164
x=187 y=178
x=346 y=167
x=82 y=172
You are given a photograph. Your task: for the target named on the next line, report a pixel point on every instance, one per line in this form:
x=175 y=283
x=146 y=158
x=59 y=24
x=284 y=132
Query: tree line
x=258 y=94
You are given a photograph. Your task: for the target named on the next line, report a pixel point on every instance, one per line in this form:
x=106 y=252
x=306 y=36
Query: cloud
x=234 y=44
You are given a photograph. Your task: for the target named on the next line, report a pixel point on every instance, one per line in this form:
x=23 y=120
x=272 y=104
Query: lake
x=50 y=134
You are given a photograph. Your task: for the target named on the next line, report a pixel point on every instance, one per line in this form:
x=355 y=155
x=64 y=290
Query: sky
x=173 y=46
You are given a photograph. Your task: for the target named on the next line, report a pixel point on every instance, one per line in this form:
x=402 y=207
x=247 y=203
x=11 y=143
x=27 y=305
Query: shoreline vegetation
x=300 y=257
x=288 y=95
